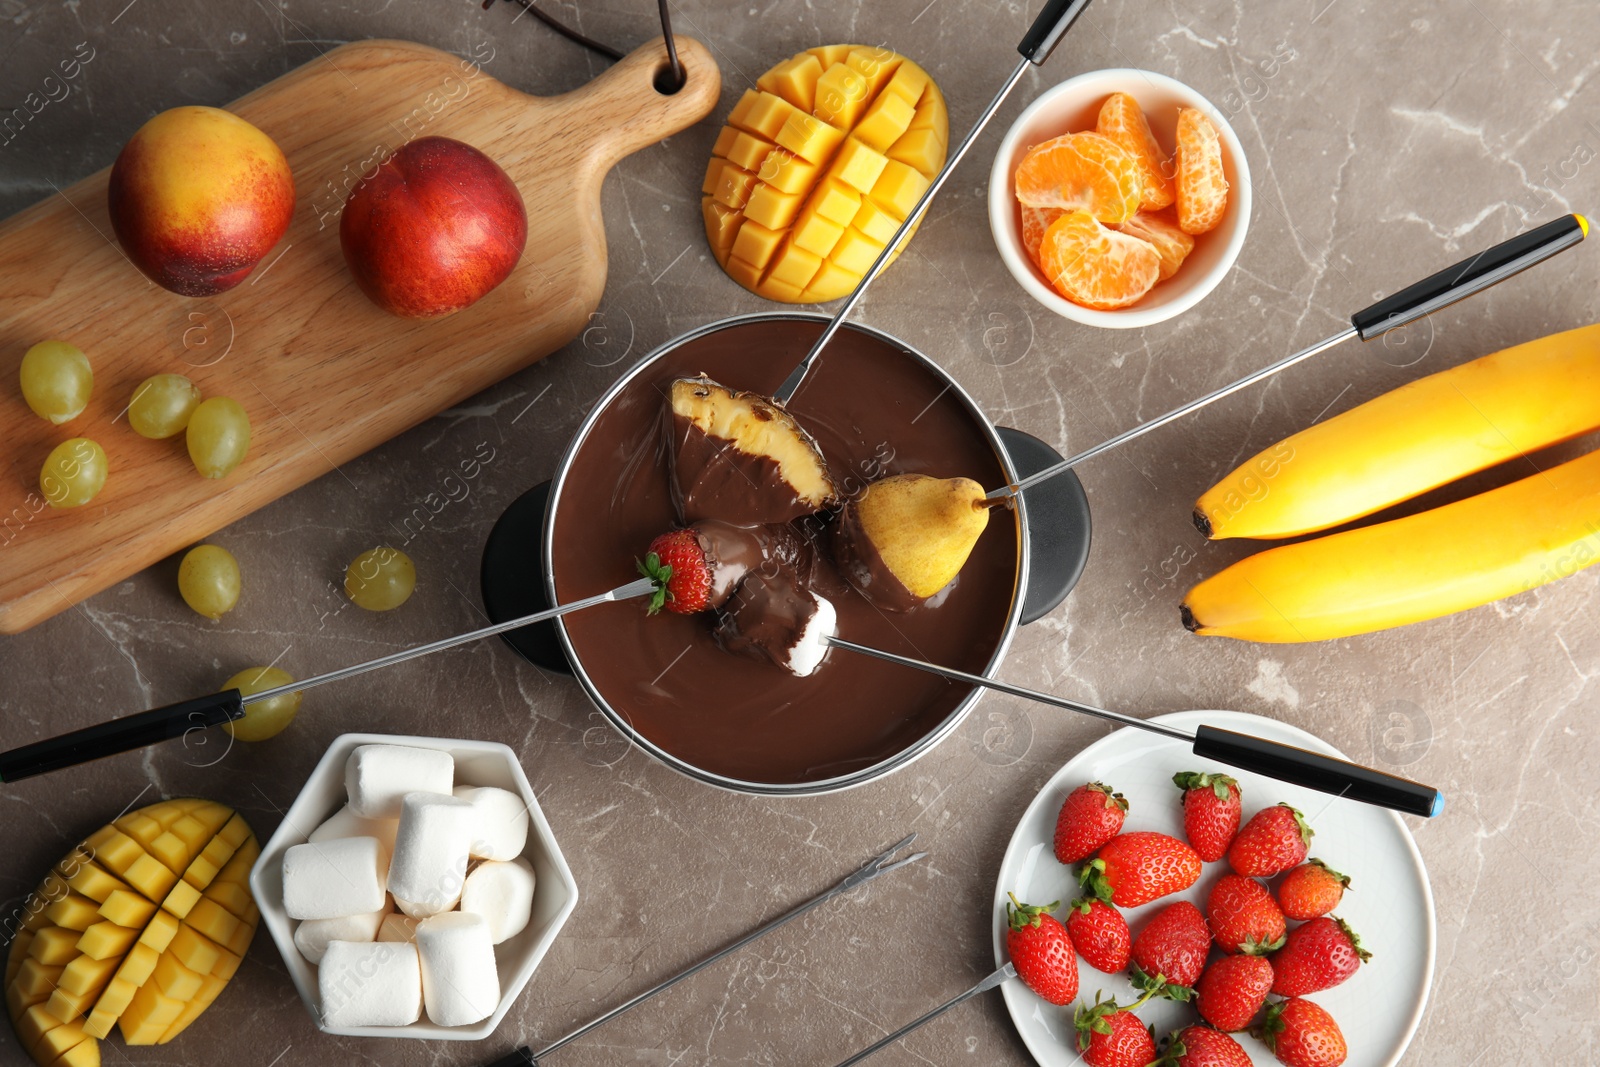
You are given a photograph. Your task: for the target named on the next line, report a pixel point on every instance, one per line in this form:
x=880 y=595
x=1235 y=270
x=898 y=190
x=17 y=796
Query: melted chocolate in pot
x=874 y=411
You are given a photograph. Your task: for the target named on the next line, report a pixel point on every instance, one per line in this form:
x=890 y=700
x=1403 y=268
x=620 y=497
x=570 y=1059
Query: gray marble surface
x=1386 y=140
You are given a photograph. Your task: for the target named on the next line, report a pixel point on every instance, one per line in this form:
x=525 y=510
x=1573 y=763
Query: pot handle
x=1059 y=526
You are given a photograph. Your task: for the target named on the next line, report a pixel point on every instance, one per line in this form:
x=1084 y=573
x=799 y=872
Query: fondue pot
x=877 y=406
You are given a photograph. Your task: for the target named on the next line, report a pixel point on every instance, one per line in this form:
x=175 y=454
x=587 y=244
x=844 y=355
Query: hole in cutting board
x=665 y=83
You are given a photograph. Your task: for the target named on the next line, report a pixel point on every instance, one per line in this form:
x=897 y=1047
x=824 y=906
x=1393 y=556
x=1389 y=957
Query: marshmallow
x=503 y=894
x=430 y=853
x=373 y=983
x=811 y=645
x=397 y=928
x=377 y=776
x=332 y=879
x=460 y=984
x=312 y=936
x=346 y=823
x=502 y=828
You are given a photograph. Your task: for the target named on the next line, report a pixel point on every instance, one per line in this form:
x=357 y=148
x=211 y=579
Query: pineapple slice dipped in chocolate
x=741 y=458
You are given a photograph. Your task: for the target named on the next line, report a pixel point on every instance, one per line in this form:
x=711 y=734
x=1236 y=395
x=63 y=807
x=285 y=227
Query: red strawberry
x=1302 y=1034
x=1170 y=952
x=1318 y=955
x=1232 y=990
x=1100 y=934
x=1138 y=867
x=1109 y=1036
x=1244 y=917
x=1201 y=1046
x=1310 y=890
x=1274 y=840
x=677 y=564
x=1210 y=812
x=1041 y=951
x=1090 y=816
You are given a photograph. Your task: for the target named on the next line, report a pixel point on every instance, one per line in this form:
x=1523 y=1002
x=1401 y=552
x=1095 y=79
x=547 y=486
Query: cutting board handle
x=629 y=113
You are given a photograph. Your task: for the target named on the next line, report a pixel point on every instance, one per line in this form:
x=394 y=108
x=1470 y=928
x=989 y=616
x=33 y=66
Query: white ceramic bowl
x=477 y=763
x=1073 y=106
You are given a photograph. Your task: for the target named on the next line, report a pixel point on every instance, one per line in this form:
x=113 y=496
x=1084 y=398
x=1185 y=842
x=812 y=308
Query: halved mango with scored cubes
x=138 y=928
x=817 y=167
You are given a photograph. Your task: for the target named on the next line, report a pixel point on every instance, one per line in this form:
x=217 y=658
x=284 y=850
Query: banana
x=1505 y=541
x=1417 y=437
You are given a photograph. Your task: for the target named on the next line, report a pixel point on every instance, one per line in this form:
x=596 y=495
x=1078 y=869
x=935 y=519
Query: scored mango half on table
x=1425 y=434
x=817 y=168
x=138 y=928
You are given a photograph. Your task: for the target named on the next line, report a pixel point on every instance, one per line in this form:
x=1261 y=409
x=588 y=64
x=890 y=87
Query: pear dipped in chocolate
x=908 y=536
x=741 y=458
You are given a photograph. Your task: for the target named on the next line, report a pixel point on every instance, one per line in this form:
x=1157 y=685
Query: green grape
x=267 y=718
x=56 y=380
x=219 y=436
x=73 y=473
x=380 y=579
x=208 y=580
x=161 y=406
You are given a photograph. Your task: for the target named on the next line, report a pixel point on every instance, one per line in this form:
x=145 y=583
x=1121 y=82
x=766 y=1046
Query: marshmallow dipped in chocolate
x=752 y=486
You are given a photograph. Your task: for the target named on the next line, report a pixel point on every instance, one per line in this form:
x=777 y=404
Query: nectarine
x=434 y=229
x=198 y=196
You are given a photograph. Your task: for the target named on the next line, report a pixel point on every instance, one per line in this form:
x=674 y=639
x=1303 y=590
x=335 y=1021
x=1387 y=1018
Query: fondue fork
x=1286 y=763
x=181 y=719
x=1472 y=275
x=881 y=864
x=1042 y=37
x=996 y=978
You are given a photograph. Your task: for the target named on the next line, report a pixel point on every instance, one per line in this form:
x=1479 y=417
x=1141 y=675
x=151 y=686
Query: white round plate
x=1390 y=904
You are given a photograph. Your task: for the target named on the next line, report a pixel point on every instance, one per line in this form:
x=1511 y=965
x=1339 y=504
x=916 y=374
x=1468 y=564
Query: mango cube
x=724 y=142
x=795 y=80
x=908 y=82
x=885 y=121
x=756 y=243
x=787 y=172
x=856 y=251
x=857 y=166
x=193 y=950
x=795 y=268
x=150 y=876
x=917 y=149
x=86 y=976
x=54 y=946
x=160 y=931
x=740 y=115
x=842 y=95
x=104 y=940
x=768 y=114
x=73 y=912
x=182 y=898
x=836 y=203
x=815 y=234
x=771 y=208
x=176 y=980
x=127 y=908
x=747 y=151
x=898 y=189
x=773 y=289
x=810 y=138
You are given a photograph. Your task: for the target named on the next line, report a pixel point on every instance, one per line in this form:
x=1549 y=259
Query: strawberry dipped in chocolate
x=755 y=578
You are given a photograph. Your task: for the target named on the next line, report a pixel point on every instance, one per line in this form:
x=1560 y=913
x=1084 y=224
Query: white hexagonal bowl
x=477 y=763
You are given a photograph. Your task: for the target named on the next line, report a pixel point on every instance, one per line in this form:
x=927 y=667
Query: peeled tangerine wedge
x=1122 y=120
x=818 y=166
x=1081 y=172
x=1164 y=235
x=1202 y=187
x=1095 y=266
x=139 y=928
x=741 y=458
x=923 y=528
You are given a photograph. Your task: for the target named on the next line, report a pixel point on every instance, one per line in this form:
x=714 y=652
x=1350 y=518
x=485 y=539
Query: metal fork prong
x=888 y=854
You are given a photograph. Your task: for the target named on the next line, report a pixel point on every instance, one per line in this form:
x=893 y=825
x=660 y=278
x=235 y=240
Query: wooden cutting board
x=323 y=373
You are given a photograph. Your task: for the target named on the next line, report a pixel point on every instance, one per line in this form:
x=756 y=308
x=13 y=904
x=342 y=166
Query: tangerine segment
x=1081 y=172
x=1165 y=236
x=1036 y=220
x=1202 y=188
x=1096 y=267
x=1123 y=122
